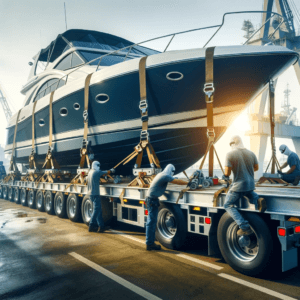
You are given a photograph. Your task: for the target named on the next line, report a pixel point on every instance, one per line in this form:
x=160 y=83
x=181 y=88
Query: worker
x=293 y=174
x=156 y=189
x=243 y=163
x=93 y=181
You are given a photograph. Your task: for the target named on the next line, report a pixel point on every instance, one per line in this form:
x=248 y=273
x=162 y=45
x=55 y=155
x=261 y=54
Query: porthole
x=102 y=98
x=174 y=76
x=76 y=106
x=63 y=112
x=41 y=122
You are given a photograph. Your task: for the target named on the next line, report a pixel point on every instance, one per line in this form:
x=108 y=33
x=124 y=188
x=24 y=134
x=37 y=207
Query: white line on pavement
x=256 y=287
x=198 y=261
x=115 y=277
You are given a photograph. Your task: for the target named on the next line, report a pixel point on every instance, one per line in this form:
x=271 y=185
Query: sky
x=29 y=25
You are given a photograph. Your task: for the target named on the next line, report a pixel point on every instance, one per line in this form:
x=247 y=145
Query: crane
x=6 y=109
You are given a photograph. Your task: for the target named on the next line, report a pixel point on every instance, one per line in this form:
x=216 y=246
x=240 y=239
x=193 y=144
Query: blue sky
x=29 y=25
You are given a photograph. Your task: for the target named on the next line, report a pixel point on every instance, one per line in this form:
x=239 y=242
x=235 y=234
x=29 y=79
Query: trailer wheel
x=10 y=193
x=171 y=228
x=39 y=200
x=248 y=255
x=1 y=193
x=23 y=197
x=87 y=209
x=49 y=203
x=4 y=192
x=16 y=195
x=60 y=205
x=31 y=198
x=73 y=208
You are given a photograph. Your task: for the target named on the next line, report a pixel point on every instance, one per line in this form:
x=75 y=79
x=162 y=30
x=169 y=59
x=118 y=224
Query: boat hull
x=177 y=110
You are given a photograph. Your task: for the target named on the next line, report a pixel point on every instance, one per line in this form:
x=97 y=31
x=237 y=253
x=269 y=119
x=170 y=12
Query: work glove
x=226 y=178
x=112 y=170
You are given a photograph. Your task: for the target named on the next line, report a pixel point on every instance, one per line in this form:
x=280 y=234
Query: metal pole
x=65 y=16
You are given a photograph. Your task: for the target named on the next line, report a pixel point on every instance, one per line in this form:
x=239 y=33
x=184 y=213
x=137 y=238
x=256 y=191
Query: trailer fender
x=250 y=255
x=171 y=228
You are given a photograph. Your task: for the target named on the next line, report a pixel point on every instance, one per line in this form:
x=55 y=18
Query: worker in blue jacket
x=156 y=189
x=293 y=161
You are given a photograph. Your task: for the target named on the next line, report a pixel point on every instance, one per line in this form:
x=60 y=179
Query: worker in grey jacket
x=93 y=181
x=243 y=163
x=156 y=189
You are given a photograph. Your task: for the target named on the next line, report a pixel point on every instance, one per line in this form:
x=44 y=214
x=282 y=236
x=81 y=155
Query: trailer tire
x=31 y=195
x=23 y=197
x=49 y=203
x=254 y=258
x=5 y=192
x=73 y=208
x=39 y=200
x=10 y=194
x=16 y=195
x=171 y=228
x=1 y=193
x=60 y=205
x=87 y=210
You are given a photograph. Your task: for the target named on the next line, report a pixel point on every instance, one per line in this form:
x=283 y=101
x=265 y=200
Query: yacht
x=176 y=101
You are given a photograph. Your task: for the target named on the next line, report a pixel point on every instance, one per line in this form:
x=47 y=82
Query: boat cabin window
x=108 y=60
x=48 y=87
x=70 y=61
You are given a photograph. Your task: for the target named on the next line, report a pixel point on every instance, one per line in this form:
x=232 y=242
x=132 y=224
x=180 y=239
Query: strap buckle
x=143 y=105
x=209 y=90
x=144 y=135
x=85 y=115
x=211 y=132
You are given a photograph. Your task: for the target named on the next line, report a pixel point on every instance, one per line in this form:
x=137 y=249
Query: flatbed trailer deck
x=276 y=230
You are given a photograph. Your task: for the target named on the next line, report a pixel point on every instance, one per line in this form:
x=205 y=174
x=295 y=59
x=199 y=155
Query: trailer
x=276 y=232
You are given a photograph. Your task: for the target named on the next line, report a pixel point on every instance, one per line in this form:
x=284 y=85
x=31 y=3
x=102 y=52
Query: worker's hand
x=279 y=172
x=226 y=178
x=112 y=170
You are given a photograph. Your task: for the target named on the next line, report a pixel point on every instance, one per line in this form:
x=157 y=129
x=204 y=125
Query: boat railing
x=270 y=15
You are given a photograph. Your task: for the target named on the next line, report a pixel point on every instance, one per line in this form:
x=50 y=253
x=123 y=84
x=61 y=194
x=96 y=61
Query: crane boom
x=6 y=109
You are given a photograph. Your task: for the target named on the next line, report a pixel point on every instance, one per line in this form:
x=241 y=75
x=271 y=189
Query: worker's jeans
x=97 y=219
x=290 y=177
x=231 y=198
x=152 y=207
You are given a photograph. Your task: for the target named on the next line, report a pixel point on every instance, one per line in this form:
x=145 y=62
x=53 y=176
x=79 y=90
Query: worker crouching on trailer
x=243 y=163
x=96 y=223
x=156 y=189
x=293 y=174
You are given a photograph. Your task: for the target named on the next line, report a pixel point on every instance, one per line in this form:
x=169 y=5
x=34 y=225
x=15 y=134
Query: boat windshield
x=108 y=60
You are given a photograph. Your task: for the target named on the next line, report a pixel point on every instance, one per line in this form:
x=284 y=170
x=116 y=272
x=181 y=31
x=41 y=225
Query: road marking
x=115 y=277
x=128 y=236
x=256 y=287
x=198 y=261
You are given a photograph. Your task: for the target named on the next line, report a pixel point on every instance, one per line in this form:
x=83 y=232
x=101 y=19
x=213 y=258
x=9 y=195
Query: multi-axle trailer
x=276 y=232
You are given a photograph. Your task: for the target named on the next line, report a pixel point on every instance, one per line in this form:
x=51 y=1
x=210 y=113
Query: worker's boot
x=101 y=229
x=241 y=232
x=93 y=229
x=153 y=247
x=296 y=181
x=261 y=205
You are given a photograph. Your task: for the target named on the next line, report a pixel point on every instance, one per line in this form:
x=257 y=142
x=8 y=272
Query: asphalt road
x=44 y=257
